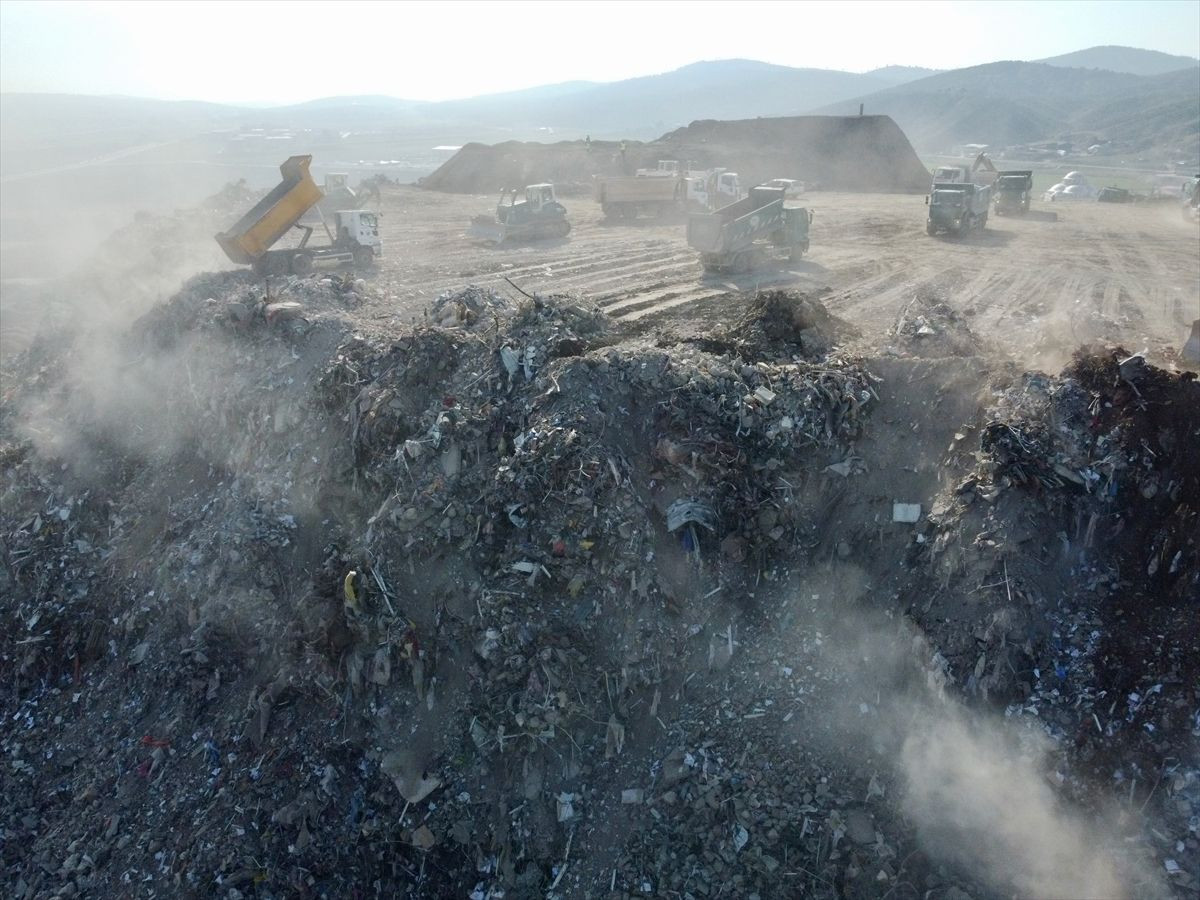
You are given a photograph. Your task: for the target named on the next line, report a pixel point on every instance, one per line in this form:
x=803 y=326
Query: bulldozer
x=538 y=216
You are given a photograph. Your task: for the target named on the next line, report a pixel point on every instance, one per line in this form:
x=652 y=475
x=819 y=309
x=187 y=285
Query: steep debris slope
x=520 y=605
x=847 y=153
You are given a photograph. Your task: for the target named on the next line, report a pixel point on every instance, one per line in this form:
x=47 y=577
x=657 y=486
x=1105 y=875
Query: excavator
x=252 y=237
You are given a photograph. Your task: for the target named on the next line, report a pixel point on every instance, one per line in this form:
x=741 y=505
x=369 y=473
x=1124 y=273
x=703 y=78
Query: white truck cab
x=713 y=189
x=666 y=168
x=360 y=226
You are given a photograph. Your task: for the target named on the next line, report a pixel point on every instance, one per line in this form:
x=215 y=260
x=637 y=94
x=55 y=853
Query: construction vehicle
x=251 y=238
x=1191 y=201
x=625 y=196
x=666 y=168
x=663 y=190
x=792 y=188
x=967 y=174
x=956 y=208
x=711 y=189
x=1011 y=192
x=1191 y=347
x=1112 y=194
x=733 y=238
x=539 y=215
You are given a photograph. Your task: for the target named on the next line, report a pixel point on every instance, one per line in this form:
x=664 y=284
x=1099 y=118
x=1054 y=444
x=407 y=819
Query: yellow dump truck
x=251 y=238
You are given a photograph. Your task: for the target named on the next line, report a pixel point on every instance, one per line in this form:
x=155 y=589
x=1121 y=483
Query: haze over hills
x=1129 y=60
x=999 y=103
x=1007 y=103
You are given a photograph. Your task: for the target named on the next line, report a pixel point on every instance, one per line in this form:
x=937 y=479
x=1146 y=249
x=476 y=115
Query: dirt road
x=1035 y=286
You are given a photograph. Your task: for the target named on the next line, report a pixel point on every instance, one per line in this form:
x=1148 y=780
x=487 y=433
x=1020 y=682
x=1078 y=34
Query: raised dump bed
x=271 y=217
x=733 y=237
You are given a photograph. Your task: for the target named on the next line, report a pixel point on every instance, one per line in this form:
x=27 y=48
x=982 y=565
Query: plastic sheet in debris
x=684 y=512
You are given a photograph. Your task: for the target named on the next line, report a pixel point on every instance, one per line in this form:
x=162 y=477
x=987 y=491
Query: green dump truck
x=252 y=237
x=1011 y=192
x=957 y=208
x=736 y=237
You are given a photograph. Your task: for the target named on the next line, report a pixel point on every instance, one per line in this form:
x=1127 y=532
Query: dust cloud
x=977 y=796
x=975 y=789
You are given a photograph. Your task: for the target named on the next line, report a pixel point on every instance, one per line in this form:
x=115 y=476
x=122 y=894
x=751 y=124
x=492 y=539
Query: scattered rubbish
x=683 y=512
x=566 y=807
x=906 y=512
x=409 y=776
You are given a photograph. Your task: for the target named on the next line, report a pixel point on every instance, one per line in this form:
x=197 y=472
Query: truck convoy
x=664 y=190
x=539 y=215
x=956 y=208
x=1011 y=192
x=251 y=238
x=733 y=238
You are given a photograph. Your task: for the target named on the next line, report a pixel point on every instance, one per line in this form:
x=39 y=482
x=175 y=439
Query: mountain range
x=1145 y=102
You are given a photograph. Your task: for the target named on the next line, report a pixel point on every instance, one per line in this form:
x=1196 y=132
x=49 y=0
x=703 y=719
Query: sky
x=285 y=52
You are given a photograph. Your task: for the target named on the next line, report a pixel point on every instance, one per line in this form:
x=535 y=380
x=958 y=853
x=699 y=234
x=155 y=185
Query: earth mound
x=841 y=153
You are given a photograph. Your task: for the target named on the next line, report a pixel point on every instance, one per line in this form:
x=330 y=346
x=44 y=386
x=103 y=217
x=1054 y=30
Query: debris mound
x=510 y=604
x=840 y=153
x=785 y=323
x=1075 y=531
x=929 y=327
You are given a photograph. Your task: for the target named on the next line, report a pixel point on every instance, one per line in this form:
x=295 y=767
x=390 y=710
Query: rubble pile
x=781 y=325
x=615 y=435
x=509 y=603
x=488 y=524
x=928 y=327
x=1079 y=524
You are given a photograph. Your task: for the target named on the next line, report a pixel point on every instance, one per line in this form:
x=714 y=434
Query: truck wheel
x=302 y=264
x=363 y=257
x=563 y=229
x=277 y=264
x=930 y=229
x=796 y=252
x=982 y=222
x=741 y=262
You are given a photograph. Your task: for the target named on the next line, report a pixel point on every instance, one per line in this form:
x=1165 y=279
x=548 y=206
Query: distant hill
x=647 y=106
x=901 y=74
x=998 y=103
x=1008 y=103
x=1130 y=60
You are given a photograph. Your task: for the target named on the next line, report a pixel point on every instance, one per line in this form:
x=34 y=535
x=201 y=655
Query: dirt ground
x=1035 y=287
